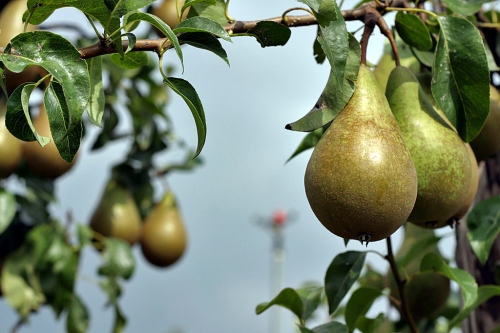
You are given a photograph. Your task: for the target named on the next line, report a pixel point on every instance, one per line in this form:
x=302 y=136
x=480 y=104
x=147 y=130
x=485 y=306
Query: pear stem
x=401 y=287
x=367 y=32
x=388 y=33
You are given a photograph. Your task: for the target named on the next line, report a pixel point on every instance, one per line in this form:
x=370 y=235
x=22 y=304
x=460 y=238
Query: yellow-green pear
x=487 y=142
x=386 y=64
x=164 y=236
x=360 y=180
x=441 y=158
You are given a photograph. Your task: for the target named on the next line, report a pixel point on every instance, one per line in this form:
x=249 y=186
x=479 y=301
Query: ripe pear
x=441 y=158
x=167 y=12
x=117 y=214
x=360 y=180
x=164 y=236
x=487 y=142
x=45 y=162
x=473 y=186
x=10 y=146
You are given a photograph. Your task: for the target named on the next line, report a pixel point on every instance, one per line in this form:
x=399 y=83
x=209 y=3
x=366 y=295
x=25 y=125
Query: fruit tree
x=409 y=143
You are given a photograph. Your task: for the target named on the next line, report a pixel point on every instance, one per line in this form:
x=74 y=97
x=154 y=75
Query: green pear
x=441 y=158
x=487 y=142
x=386 y=64
x=360 y=180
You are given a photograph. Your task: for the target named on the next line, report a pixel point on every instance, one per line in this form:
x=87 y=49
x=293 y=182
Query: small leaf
x=119 y=8
x=309 y=141
x=84 y=234
x=484 y=293
x=311 y=298
x=205 y=41
x=341 y=275
x=324 y=11
x=202 y=24
x=7 y=209
x=465 y=7
x=287 y=298
x=215 y=12
x=331 y=327
x=120 y=320
x=131 y=60
x=270 y=33
x=433 y=261
x=358 y=305
x=95 y=107
x=413 y=31
x=118 y=259
x=483 y=222
x=78 y=316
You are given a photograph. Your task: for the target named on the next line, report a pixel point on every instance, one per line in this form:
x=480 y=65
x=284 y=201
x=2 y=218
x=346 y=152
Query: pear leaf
x=205 y=41
x=358 y=305
x=331 y=327
x=269 y=33
x=7 y=209
x=95 y=109
x=484 y=293
x=78 y=316
x=287 y=298
x=413 y=31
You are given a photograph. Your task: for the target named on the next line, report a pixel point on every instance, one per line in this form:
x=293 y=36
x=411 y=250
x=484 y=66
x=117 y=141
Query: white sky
x=226 y=270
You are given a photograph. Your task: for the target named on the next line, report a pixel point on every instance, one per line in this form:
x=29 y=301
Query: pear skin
x=487 y=142
x=360 y=180
x=441 y=158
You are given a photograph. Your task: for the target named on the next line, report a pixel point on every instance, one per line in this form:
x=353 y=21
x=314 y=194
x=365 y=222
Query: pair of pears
x=162 y=236
x=387 y=160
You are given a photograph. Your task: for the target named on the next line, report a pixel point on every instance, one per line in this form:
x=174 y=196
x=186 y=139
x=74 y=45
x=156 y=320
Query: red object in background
x=279 y=217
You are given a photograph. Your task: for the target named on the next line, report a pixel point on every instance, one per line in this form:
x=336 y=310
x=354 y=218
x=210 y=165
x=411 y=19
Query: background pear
x=10 y=146
x=360 y=180
x=441 y=158
x=386 y=64
x=487 y=142
x=167 y=12
x=164 y=236
x=117 y=215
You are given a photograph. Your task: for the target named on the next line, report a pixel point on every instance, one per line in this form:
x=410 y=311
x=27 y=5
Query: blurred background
x=227 y=269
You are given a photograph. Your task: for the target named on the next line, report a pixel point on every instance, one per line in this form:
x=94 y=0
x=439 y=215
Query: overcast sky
x=226 y=271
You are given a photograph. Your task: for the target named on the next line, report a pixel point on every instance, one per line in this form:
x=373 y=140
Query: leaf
x=465 y=7
x=331 y=327
x=269 y=33
x=287 y=298
x=120 y=320
x=380 y=324
x=205 y=41
x=184 y=89
x=215 y=12
x=119 y=8
x=202 y=24
x=309 y=141
x=324 y=10
x=433 y=261
x=84 y=234
x=461 y=78
x=484 y=293
x=358 y=305
x=413 y=31
x=483 y=222
x=341 y=275
x=311 y=298
x=78 y=316
x=131 y=60
x=333 y=98
x=7 y=209
x=95 y=107
x=117 y=259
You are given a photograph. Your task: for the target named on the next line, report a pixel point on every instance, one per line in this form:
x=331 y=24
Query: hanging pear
x=10 y=146
x=441 y=158
x=487 y=142
x=473 y=186
x=117 y=214
x=360 y=180
x=386 y=64
x=164 y=236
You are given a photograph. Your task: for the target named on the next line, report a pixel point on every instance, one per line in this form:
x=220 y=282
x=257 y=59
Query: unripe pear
x=164 y=236
x=487 y=142
x=10 y=146
x=360 y=180
x=386 y=64
x=167 y=12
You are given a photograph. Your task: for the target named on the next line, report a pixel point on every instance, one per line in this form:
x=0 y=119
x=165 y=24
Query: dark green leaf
x=3 y=83
x=465 y=7
x=311 y=298
x=484 y=293
x=287 y=298
x=331 y=327
x=120 y=320
x=184 y=89
x=7 y=209
x=78 y=316
x=202 y=24
x=95 y=107
x=117 y=259
x=118 y=8
x=483 y=222
x=433 y=261
x=309 y=141
x=461 y=77
x=341 y=275
x=206 y=41
x=413 y=31
x=131 y=60
x=325 y=11
x=270 y=33
x=358 y=305
x=374 y=325
x=319 y=54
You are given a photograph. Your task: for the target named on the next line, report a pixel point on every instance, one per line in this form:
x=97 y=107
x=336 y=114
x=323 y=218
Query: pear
x=167 y=12
x=473 y=186
x=441 y=158
x=386 y=64
x=164 y=236
x=117 y=214
x=10 y=146
x=360 y=180
x=487 y=142
x=45 y=162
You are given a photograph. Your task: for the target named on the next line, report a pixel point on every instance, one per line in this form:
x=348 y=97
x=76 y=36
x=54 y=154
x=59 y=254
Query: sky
x=226 y=271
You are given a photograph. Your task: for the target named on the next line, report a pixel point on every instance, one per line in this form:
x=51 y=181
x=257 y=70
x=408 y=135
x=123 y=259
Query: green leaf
x=311 y=298
x=3 y=83
x=66 y=130
x=461 y=77
x=269 y=33
x=325 y=11
x=413 y=31
x=131 y=60
x=112 y=288
x=95 y=107
x=341 y=275
x=78 y=316
x=202 y=24
x=205 y=41
x=119 y=8
x=380 y=324
x=333 y=98
x=484 y=293
x=214 y=12
x=433 y=261
x=483 y=222
x=120 y=320
x=358 y=305
x=331 y=327
x=184 y=89
x=7 y=209
x=84 y=234
x=287 y=298
x=465 y=7
x=117 y=259
x=309 y=141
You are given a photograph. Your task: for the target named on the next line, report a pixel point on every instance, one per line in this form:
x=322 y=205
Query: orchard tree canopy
x=410 y=142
